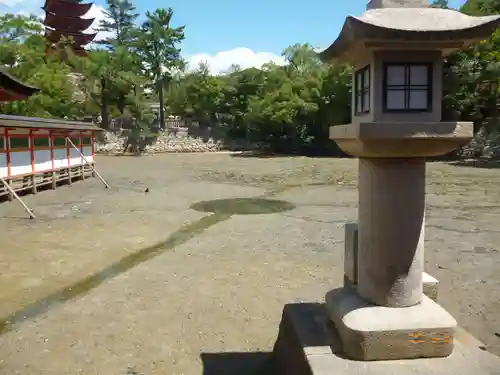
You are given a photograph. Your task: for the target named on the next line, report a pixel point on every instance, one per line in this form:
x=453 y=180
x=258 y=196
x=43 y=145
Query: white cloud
x=22 y=6
x=10 y=3
x=244 y=57
x=97 y=12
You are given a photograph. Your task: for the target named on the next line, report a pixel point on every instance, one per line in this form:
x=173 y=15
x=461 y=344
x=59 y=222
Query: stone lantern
x=396 y=48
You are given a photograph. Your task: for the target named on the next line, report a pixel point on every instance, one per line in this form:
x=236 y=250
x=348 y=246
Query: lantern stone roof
x=412 y=24
x=423 y=19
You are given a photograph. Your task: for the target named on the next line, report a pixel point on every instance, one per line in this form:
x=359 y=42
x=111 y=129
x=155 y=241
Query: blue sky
x=239 y=30
x=261 y=25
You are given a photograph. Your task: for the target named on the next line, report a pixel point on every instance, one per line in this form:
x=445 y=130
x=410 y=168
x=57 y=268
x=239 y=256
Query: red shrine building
x=65 y=19
x=36 y=152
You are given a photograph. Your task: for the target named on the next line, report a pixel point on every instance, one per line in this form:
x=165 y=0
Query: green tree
x=22 y=52
x=16 y=27
x=120 y=67
x=110 y=83
x=472 y=80
x=481 y=7
x=440 y=4
x=289 y=107
x=158 y=48
x=119 y=21
x=18 y=35
x=240 y=87
x=198 y=96
x=299 y=101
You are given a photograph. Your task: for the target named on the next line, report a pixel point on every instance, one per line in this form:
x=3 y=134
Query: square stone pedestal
x=370 y=332
x=308 y=344
x=430 y=286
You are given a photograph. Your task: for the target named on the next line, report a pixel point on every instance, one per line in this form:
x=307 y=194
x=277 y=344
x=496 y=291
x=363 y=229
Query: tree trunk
x=214 y=121
x=121 y=104
x=104 y=104
x=162 y=109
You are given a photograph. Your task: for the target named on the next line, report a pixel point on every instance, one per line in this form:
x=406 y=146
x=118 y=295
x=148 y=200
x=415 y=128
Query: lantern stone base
x=309 y=344
x=430 y=285
x=369 y=332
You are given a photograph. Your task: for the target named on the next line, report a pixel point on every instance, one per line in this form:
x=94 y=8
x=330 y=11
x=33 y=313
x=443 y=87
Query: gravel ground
x=191 y=277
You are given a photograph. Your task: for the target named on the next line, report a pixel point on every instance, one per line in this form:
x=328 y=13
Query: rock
x=167 y=141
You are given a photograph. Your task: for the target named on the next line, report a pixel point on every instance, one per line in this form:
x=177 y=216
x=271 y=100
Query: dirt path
x=168 y=281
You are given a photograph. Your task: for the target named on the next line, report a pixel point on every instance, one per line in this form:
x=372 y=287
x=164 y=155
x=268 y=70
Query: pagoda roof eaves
x=80 y=39
x=61 y=7
x=15 y=87
x=67 y=24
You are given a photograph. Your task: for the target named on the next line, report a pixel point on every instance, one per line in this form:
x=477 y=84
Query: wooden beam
x=14 y=194
x=89 y=164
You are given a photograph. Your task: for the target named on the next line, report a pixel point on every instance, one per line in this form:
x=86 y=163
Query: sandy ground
x=172 y=282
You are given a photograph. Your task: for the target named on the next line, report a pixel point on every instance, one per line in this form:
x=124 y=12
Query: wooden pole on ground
x=14 y=194
x=89 y=164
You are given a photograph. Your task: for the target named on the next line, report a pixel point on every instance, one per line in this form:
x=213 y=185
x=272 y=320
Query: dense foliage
x=289 y=107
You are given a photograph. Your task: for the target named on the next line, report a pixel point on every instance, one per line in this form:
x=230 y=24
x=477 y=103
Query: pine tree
x=158 y=47
x=119 y=21
x=440 y=4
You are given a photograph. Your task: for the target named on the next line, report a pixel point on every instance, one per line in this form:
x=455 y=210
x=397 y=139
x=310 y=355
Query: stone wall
x=109 y=143
x=178 y=140
x=170 y=140
x=199 y=140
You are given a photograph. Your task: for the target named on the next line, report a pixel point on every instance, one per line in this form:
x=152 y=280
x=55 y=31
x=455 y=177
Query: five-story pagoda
x=64 y=19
